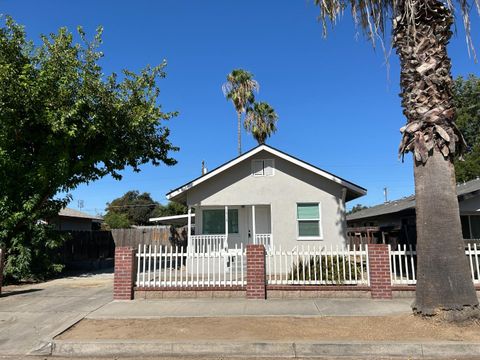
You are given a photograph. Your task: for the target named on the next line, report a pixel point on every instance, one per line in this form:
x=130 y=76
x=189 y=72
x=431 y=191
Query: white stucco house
x=266 y=196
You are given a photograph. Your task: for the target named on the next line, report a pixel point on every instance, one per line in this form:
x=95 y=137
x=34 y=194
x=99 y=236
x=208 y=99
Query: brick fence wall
x=123 y=279
x=380 y=277
x=379 y=288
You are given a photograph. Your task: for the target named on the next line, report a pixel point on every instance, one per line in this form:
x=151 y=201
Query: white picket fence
x=403 y=264
x=176 y=267
x=334 y=266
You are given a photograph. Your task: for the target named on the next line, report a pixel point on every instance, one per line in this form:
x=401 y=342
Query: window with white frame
x=262 y=167
x=309 y=221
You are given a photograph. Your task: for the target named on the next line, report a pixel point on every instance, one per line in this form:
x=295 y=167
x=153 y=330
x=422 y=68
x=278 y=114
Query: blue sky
x=338 y=105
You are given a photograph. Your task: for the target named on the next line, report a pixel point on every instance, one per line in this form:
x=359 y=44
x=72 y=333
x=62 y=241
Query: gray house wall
x=290 y=184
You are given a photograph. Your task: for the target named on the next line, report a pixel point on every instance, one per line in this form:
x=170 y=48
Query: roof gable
x=353 y=188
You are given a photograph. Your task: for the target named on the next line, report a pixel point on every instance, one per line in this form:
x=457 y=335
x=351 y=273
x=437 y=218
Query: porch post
x=254 y=232
x=225 y=243
x=189 y=228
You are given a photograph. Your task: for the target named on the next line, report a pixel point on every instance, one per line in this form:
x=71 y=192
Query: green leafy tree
x=64 y=123
x=137 y=208
x=239 y=89
x=260 y=121
x=116 y=220
x=172 y=208
x=467 y=101
x=421 y=31
x=357 y=208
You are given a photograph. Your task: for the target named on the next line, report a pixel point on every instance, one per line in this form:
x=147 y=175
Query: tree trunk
x=443 y=276
x=239 y=133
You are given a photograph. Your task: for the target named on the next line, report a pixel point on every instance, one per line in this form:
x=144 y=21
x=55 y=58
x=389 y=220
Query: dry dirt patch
x=381 y=328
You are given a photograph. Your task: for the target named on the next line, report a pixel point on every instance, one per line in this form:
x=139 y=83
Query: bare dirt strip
x=378 y=328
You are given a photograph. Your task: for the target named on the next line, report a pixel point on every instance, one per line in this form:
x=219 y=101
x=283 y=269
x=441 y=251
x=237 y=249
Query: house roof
x=68 y=212
x=355 y=190
x=408 y=202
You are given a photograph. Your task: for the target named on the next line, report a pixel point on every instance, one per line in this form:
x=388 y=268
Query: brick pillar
x=2 y=261
x=380 y=277
x=123 y=278
x=256 y=287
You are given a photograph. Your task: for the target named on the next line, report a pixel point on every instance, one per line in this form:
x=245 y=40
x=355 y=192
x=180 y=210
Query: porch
x=229 y=227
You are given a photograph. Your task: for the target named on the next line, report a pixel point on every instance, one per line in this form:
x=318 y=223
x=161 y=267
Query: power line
x=138 y=205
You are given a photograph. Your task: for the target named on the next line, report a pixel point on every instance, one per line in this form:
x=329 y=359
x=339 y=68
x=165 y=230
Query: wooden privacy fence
x=168 y=266
x=87 y=250
x=150 y=235
x=403 y=264
x=88 y=245
x=318 y=266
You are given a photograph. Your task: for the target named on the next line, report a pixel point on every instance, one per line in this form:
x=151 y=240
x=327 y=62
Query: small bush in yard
x=326 y=268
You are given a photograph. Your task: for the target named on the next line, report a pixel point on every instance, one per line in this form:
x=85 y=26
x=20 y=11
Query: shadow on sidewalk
x=6 y=293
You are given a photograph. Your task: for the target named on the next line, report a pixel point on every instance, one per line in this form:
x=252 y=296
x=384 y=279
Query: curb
x=141 y=348
x=45 y=345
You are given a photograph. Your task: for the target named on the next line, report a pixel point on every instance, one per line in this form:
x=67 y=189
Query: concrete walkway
x=151 y=309
x=31 y=314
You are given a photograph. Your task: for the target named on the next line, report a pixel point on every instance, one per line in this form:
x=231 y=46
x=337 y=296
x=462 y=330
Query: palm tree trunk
x=239 y=132
x=443 y=276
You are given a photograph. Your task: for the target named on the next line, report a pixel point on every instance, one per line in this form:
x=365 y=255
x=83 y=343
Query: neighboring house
x=266 y=196
x=74 y=220
x=396 y=219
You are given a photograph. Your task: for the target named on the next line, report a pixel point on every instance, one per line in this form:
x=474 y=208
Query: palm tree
x=261 y=120
x=239 y=88
x=421 y=30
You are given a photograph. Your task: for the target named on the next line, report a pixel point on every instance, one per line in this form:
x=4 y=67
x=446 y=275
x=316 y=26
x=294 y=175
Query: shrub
x=320 y=267
x=33 y=254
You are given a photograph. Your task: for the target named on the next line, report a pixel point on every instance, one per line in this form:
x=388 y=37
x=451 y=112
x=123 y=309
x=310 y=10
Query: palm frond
x=371 y=16
x=260 y=121
x=239 y=88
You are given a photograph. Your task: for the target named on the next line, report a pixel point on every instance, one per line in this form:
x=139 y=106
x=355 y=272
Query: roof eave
x=351 y=187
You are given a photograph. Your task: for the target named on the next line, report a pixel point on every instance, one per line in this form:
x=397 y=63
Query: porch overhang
x=177 y=220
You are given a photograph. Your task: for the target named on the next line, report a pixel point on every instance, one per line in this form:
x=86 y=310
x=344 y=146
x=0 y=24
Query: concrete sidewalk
x=151 y=309
x=30 y=315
